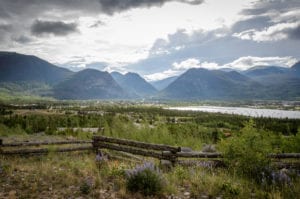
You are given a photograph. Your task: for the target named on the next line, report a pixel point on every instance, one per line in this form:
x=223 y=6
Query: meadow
x=244 y=142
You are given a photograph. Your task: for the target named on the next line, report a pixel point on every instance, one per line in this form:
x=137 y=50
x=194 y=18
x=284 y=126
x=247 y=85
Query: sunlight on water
x=273 y=113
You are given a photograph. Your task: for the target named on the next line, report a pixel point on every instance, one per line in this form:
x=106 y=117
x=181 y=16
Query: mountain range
x=34 y=76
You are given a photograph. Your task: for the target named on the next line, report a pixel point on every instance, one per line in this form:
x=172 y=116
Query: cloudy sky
x=155 y=38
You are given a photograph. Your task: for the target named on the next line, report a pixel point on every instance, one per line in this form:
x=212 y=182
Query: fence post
x=173 y=158
x=1 y=143
x=96 y=148
x=169 y=156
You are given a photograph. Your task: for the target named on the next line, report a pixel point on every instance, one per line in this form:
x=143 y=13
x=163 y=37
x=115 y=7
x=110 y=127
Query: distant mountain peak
x=296 y=66
x=89 y=84
x=16 y=67
x=133 y=83
x=199 y=83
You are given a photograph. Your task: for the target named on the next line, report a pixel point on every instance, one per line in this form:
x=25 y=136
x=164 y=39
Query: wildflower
x=100 y=157
x=273 y=175
x=280 y=177
x=283 y=178
x=138 y=169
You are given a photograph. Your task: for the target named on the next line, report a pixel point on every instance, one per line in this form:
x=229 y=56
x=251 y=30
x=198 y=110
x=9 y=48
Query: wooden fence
x=23 y=148
x=173 y=154
x=176 y=154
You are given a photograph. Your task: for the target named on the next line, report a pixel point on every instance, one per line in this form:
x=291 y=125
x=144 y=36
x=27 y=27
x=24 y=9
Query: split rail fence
x=27 y=148
x=176 y=154
x=173 y=154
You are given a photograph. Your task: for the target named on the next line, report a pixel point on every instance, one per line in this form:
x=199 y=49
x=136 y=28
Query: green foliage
x=117 y=171
x=6 y=131
x=144 y=179
x=85 y=188
x=147 y=182
x=291 y=144
x=247 y=154
x=230 y=189
x=180 y=175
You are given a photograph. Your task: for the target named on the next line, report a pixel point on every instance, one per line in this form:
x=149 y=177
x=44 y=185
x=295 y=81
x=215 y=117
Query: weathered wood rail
x=284 y=155
x=159 y=151
x=174 y=154
x=137 y=148
x=21 y=148
x=45 y=143
x=98 y=139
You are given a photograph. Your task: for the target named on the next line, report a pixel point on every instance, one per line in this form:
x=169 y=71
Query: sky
x=155 y=38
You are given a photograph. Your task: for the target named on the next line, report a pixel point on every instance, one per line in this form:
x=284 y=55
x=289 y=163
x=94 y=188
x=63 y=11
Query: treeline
x=37 y=123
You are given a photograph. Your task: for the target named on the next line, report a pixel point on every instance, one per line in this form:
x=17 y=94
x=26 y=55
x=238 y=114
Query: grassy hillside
x=243 y=141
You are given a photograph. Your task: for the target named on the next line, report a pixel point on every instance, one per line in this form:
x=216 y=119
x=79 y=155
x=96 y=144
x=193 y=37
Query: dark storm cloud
x=5 y=27
x=13 y=8
x=112 y=6
x=21 y=14
x=58 y=28
x=22 y=39
x=4 y=31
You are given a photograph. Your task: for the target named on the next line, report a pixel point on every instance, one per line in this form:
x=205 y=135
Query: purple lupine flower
x=283 y=178
x=273 y=175
x=100 y=157
x=140 y=168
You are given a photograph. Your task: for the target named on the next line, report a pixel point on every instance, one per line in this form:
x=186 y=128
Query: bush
x=144 y=179
x=247 y=153
x=85 y=188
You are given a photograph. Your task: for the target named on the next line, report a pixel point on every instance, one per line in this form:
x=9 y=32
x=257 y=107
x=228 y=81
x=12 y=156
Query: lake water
x=253 y=112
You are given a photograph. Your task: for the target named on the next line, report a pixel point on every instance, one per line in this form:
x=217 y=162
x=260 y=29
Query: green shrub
x=247 y=154
x=144 y=179
x=86 y=186
x=230 y=189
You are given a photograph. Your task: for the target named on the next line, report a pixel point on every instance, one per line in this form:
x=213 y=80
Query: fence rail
x=21 y=148
x=98 y=139
x=45 y=143
x=177 y=154
x=284 y=155
x=159 y=151
x=44 y=150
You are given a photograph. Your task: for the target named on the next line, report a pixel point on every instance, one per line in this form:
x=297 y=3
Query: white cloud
x=181 y=67
x=186 y=64
x=273 y=33
x=194 y=63
x=162 y=75
x=240 y=64
x=244 y=63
